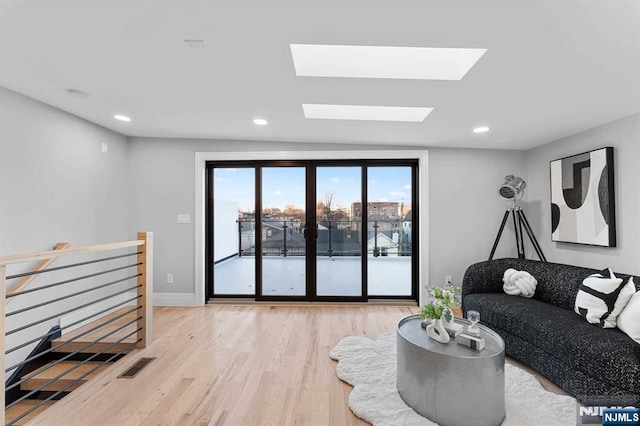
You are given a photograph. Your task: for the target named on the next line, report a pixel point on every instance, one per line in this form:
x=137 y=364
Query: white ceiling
x=553 y=67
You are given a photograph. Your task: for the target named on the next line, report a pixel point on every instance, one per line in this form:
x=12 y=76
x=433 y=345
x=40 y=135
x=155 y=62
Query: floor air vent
x=133 y=371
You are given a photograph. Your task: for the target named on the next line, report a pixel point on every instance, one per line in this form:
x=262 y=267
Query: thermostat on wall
x=184 y=218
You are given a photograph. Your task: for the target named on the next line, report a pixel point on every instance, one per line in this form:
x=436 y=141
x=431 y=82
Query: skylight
x=422 y=63
x=365 y=112
x=122 y=117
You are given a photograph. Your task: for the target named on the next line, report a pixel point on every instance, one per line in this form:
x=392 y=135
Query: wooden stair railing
x=143 y=299
x=42 y=265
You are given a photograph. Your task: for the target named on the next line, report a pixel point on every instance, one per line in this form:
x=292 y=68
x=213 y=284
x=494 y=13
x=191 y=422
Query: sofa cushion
x=609 y=355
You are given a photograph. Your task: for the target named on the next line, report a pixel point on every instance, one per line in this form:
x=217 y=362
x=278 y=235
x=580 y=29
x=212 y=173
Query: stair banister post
x=3 y=293
x=145 y=289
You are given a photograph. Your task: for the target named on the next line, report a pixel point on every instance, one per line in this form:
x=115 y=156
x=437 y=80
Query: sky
x=286 y=185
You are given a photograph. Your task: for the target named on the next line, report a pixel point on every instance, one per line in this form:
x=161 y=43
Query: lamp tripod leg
x=521 y=234
x=495 y=243
x=518 y=236
x=532 y=237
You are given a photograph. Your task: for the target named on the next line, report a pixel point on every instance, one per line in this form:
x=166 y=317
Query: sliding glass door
x=282 y=230
x=312 y=230
x=339 y=243
x=232 y=220
x=389 y=237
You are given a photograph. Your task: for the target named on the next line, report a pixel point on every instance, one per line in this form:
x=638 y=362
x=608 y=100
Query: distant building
x=382 y=244
x=406 y=225
x=276 y=238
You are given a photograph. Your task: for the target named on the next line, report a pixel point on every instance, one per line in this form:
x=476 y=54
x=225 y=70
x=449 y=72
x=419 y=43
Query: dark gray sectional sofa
x=545 y=333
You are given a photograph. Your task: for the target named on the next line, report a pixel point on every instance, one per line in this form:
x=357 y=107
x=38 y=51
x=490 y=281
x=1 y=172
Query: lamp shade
x=512 y=187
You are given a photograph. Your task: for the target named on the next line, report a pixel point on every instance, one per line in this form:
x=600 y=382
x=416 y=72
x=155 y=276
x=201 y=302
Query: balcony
x=338 y=262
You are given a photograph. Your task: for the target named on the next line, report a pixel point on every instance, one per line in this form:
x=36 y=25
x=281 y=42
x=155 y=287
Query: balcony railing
x=287 y=238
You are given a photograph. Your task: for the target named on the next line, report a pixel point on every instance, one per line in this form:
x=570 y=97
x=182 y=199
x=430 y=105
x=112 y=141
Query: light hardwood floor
x=232 y=365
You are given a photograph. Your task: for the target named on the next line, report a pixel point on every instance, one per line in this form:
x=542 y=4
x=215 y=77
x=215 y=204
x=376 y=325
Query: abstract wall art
x=582 y=199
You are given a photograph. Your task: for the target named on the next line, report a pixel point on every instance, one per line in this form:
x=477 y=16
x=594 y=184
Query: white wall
x=163 y=185
x=225 y=228
x=465 y=210
x=462 y=224
x=57 y=185
x=624 y=136
x=55 y=182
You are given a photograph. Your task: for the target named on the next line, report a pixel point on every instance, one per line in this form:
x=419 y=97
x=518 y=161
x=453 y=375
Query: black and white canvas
x=582 y=200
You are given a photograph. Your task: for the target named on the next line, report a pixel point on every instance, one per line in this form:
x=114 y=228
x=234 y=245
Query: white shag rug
x=370 y=367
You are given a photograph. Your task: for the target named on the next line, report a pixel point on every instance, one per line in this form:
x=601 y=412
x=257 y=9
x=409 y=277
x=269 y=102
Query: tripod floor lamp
x=512 y=190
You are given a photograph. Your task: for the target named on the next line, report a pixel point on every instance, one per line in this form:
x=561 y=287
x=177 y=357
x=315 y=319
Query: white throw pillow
x=629 y=318
x=519 y=283
x=601 y=297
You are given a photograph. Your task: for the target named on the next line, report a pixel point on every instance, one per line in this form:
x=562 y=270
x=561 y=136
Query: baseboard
x=97 y=307
x=175 y=299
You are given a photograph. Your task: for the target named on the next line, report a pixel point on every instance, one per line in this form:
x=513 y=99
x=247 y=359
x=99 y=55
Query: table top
x=410 y=329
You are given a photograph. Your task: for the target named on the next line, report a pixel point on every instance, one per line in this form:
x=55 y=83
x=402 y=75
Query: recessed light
x=77 y=93
x=423 y=63
x=195 y=44
x=482 y=129
x=122 y=117
x=260 y=121
x=365 y=112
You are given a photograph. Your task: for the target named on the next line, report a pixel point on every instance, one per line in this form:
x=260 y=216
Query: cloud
x=278 y=193
x=398 y=194
x=220 y=179
x=335 y=180
x=407 y=186
x=231 y=192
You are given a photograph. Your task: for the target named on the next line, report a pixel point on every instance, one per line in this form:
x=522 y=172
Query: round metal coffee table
x=451 y=384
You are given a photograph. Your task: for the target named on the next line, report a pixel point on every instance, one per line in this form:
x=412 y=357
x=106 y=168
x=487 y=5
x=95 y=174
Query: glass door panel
x=282 y=231
x=389 y=223
x=339 y=241
x=234 y=263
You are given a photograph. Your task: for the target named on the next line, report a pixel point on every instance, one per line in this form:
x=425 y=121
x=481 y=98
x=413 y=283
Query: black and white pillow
x=601 y=297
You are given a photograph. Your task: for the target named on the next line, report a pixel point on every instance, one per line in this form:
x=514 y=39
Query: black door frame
x=310 y=207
